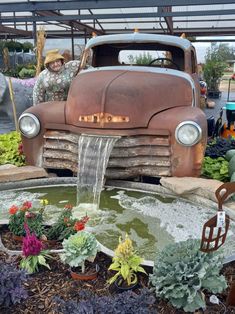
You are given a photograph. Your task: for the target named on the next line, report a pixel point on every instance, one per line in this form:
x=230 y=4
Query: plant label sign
x=220 y=219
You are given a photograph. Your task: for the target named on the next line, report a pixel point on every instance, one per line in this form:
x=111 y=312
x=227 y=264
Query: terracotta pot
x=121 y=285
x=85 y=276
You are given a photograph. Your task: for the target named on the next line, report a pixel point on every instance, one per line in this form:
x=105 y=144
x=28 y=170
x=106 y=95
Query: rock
x=13 y=174
x=210 y=104
x=23 y=94
x=189 y=185
x=7 y=166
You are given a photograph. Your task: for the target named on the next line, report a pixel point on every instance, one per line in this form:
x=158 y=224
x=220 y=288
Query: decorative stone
x=13 y=174
x=7 y=166
x=186 y=185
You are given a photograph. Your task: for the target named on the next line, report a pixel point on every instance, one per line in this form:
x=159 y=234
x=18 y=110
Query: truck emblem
x=102 y=118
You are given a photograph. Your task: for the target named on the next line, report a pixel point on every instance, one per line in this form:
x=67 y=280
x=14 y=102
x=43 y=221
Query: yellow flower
x=44 y=202
x=125 y=247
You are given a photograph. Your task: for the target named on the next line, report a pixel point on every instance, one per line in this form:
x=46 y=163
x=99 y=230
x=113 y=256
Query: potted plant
x=126 y=263
x=213 y=70
x=33 y=253
x=26 y=214
x=80 y=250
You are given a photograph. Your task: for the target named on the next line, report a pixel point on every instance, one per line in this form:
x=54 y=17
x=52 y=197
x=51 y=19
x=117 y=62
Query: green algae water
x=151 y=220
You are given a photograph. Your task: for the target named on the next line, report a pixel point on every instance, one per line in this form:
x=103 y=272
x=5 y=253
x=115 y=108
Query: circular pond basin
x=152 y=220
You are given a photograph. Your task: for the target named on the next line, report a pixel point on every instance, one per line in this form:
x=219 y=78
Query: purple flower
x=31 y=244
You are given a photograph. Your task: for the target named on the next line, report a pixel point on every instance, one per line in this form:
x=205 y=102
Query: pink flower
x=29 y=215
x=31 y=244
x=26 y=205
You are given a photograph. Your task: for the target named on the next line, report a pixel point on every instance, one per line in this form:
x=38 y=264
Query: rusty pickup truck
x=141 y=87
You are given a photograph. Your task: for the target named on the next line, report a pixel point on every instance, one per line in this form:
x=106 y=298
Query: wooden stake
x=13 y=104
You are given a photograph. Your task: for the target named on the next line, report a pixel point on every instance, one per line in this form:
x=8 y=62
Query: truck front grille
x=139 y=155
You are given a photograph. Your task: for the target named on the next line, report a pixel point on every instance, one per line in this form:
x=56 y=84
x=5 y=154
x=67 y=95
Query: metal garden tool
x=215 y=229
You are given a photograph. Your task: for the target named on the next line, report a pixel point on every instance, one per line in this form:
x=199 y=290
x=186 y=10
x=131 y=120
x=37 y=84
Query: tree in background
x=141 y=59
x=215 y=64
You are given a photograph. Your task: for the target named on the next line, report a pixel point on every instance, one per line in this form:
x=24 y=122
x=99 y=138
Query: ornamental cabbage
x=181 y=271
x=78 y=248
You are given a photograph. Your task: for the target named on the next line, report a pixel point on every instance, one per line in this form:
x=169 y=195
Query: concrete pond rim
x=127 y=185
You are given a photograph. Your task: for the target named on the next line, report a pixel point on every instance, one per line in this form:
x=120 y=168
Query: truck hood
x=125 y=97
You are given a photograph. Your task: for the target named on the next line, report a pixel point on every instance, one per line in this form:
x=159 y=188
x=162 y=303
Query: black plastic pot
x=213 y=94
x=120 y=285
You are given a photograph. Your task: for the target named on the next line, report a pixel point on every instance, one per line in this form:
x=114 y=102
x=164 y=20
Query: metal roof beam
x=116 y=16
x=189 y=33
x=75 y=24
x=101 y=4
x=10 y=30
x=168 y=19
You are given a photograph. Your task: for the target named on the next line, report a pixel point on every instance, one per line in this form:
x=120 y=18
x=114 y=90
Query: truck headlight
x=188 y=133
x=29 y=125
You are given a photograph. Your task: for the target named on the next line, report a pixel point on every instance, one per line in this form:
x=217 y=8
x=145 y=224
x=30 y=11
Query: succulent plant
x=181 y=271
x=78 y=248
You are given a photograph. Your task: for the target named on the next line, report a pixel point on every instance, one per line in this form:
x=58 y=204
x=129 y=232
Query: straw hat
x=52 y=55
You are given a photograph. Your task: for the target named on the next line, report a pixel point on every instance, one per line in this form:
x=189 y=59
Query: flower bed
x=54 y=291
x=44 y=286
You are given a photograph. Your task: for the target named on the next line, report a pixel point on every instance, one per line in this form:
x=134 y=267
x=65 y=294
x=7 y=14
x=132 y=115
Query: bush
x=12 y=290
x=127 y=302
x=25 y=73
x=181 y=271
x=219 y=146
x=216 y=168
x=10 y=152
x=26 y=214
x=214 y=66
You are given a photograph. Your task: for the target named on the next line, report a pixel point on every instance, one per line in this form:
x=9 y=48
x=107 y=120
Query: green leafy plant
x=24 y=73
x=181 y=271
x=126 y=262
x=26 y=214
x=78 y=248
x=11 y=149
x=214 y=67
x=215 y=168
x=33 y=254
x=27 y=46
x=65 y=226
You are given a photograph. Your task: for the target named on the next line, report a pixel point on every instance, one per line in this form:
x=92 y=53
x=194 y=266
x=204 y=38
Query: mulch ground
x=45 y=285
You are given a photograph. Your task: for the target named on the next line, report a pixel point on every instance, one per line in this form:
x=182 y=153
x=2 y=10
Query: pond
x=151 y=220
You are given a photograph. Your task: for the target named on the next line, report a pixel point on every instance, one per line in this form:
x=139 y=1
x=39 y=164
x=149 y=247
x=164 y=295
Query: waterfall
x=93 y=157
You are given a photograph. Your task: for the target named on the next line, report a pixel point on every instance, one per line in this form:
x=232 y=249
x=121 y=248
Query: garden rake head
x=215 y=229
